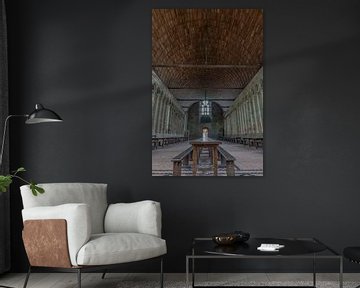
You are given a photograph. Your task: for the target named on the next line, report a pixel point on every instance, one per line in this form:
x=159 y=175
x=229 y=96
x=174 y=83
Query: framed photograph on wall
x=207 y=92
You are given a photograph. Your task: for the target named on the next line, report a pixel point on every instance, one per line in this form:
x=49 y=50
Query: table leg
x=341 y=273
x=187 y=272
x=314 y=271
x=195 y=159
x=215 y=160
x=193 y=272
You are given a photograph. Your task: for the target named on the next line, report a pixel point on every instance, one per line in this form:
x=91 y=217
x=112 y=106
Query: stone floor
x=249 y=160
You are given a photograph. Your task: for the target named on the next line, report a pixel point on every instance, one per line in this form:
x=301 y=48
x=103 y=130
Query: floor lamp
x=39 y=115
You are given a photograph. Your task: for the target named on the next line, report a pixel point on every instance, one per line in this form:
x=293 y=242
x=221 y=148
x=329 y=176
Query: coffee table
x=294 y=248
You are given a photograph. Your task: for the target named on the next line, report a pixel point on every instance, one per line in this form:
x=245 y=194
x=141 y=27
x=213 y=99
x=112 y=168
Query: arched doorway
x=215 y=126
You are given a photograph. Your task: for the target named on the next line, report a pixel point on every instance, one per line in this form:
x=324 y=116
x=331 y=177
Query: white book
x=270 y=247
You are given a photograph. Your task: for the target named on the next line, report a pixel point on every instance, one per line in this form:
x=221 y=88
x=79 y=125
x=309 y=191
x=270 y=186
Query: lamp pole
x=4 y=133
x=2 y=152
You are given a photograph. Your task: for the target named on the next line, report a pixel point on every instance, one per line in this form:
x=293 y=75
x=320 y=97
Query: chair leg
x=27 y=277
x=161 y=273
x=79 y=277
x=103 y=275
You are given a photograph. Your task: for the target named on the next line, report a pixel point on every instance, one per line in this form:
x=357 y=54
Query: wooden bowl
x=225 y=239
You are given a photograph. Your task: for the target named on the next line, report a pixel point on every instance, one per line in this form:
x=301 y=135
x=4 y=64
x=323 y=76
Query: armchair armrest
x=138 y=217
x=77 y=217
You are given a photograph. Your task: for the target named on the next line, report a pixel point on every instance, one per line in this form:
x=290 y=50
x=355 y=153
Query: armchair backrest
x=92 y=194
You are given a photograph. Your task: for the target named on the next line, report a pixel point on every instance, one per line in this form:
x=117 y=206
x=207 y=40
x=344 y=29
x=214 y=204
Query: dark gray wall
x=91 y=61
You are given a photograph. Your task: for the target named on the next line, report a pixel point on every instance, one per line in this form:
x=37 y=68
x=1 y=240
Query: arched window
x=205 y=110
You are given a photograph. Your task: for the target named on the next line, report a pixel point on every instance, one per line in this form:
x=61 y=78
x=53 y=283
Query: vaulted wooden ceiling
x=207 y=49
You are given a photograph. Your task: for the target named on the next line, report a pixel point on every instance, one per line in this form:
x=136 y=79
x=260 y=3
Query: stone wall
x=168 y=117
x=245 y=116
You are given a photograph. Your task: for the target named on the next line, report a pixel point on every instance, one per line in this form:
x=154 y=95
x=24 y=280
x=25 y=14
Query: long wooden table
x=212 y=145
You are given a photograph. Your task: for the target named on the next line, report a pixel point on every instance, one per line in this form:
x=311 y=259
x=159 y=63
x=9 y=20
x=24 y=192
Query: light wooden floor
x=113 y=280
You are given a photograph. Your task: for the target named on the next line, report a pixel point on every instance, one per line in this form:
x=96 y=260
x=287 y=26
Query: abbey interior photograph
x=222 y=88
x=207 y=92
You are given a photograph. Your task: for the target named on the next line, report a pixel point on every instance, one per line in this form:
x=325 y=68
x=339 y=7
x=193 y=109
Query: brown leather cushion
x=46 y=243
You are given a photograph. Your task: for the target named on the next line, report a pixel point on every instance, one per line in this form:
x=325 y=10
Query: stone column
x=163 y=122
x=153 y=111
x=238 y=130
x=158 y=121
x=258 y=109
x=185 y=122
x=239 y=118
x=176 y=122
x=261 y=101
x=250 y=116
x=243 y=130
x=229 y=125
x=181 y=123
x=167 y=126
x=170 y=117
x=156 y=112
x=173 y=120
x=246 y=117
x=234 y=123
x=256 y=120
x=153 y=96
x=225 y=126
x=161 y=117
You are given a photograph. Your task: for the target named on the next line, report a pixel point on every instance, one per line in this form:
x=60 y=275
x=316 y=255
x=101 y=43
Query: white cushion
x=62 y=193
x=113 y=248
x=138 y=217
x=77 y=218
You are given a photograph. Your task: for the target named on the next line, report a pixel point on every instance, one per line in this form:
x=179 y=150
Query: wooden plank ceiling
x=214 y=50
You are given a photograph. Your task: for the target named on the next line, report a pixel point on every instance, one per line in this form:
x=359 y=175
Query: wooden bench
x=259 y=142
x=179 y=160
x=164 y=141
x=228 y=159
x=154 y=142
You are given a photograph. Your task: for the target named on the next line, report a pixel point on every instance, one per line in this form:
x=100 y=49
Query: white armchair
x=72 y=228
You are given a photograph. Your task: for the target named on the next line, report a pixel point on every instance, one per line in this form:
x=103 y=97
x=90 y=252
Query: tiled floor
x=249 y=160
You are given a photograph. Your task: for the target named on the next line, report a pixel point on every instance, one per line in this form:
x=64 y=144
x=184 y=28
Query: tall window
x=205 y=111
x=205 y=108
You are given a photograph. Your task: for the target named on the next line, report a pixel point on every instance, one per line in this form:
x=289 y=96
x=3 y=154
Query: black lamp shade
x=42 y=115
